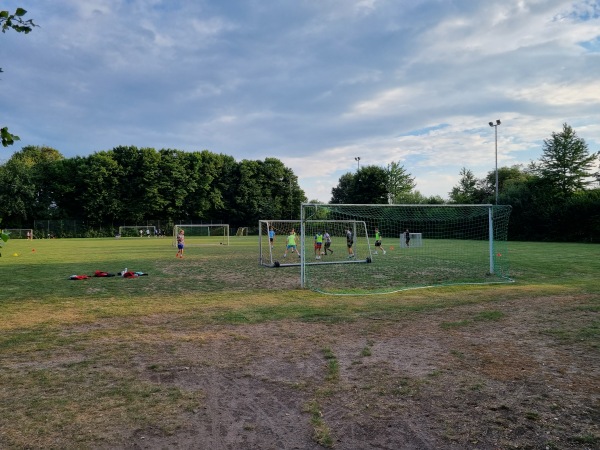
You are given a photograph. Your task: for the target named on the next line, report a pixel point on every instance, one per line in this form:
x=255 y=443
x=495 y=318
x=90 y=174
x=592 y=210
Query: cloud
x=314 y=84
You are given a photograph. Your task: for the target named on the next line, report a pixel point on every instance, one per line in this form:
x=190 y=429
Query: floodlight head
x=498 y=122
x=491 y=124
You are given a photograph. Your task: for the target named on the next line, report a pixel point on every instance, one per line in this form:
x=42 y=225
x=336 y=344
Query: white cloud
x=314 y=84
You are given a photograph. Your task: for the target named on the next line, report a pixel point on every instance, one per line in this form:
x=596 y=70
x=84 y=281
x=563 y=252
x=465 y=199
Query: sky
x=314 y=83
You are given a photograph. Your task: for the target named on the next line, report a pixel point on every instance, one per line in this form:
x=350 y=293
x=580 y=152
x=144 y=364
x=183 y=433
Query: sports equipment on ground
x=202 y=234
x=242 y=231
x=134 y=231
x=449 y=245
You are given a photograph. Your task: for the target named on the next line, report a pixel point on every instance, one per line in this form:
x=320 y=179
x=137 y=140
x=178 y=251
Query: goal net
x=446 y=245
x=275 y=251
x=203 y=234
x=242 y=231
x=19 y=233
x=126 y=231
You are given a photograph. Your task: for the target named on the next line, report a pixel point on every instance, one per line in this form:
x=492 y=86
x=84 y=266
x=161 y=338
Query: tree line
x=130 y=186
x=553 y=198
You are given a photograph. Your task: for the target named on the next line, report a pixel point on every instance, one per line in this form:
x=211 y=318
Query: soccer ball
x=322 y=253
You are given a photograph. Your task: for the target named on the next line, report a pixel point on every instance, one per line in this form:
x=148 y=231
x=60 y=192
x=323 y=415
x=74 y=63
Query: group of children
x=322 y=242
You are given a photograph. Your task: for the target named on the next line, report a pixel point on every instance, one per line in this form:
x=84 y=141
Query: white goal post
x=197 y=235
x=19 y=233
x=415 y=240
x=137 y=231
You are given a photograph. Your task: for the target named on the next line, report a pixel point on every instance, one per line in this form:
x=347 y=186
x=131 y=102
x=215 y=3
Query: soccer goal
x=126 y=231
x=242 y=231
x=333 y=249
x=19 y=233
x=414 y=240
x=202 y=234
x=449 y=245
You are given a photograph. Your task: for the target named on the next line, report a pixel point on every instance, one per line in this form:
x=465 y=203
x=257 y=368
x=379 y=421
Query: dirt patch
x=415 y=383
x=500 y=375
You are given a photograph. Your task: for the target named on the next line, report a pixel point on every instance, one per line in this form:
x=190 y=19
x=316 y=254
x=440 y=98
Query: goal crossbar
x=197 y=235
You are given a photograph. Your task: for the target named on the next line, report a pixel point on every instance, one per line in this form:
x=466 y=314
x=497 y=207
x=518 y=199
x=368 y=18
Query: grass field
x=216 y=349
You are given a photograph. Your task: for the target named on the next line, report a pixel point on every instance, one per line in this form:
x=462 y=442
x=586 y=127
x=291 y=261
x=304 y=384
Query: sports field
x=214 y=351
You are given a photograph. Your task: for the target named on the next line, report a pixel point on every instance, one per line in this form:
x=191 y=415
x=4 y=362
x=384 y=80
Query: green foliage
x=369 y=185
x=566 y=162
x=7 y=137
x=15 y=22
x=416 y=198
x=469 y=190
x=399 y=182
x=551 y=198
x=130 y=185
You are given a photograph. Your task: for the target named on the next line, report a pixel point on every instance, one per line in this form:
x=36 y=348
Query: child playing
x=180 y=244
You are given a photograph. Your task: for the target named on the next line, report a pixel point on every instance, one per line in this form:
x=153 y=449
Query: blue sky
x=315 y=83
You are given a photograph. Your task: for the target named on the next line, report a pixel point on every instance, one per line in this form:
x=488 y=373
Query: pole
x=496 y=133
x=495 y=125
x=491 y=237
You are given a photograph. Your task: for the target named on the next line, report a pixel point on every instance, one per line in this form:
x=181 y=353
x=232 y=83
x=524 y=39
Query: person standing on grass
x=349 y=243
x=180 y=244
x=318 y=244
x=327 y=245
x=271 y=237
x=407 y=238
x=378 y=241
x=291 y=243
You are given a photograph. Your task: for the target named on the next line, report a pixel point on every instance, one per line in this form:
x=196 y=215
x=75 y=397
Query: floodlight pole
x=357 y=159
x=495 y=125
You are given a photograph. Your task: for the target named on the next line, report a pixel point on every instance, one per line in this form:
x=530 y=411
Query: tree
x=24 y=190
x=399 y=182
x=566 y=162
x=368 y=185
x=344 y=191
x=15 y=22
x=416 y=198
x=99 y=178
x=466 y=190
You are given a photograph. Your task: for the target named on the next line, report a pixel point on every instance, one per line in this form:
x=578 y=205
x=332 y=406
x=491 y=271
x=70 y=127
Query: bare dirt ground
x=513 y=374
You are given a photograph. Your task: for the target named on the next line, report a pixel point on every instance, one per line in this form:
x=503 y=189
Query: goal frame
x=152 y=229
x=12 y=231
x=492 y=236
x=188 y=243
x=416 y=240
x=302 y=246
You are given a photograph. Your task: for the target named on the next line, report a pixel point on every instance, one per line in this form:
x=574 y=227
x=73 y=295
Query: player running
x=291 y=244
x=378 y=241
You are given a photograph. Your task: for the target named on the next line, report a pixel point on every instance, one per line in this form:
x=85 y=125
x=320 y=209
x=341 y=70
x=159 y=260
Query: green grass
x=108 y=322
